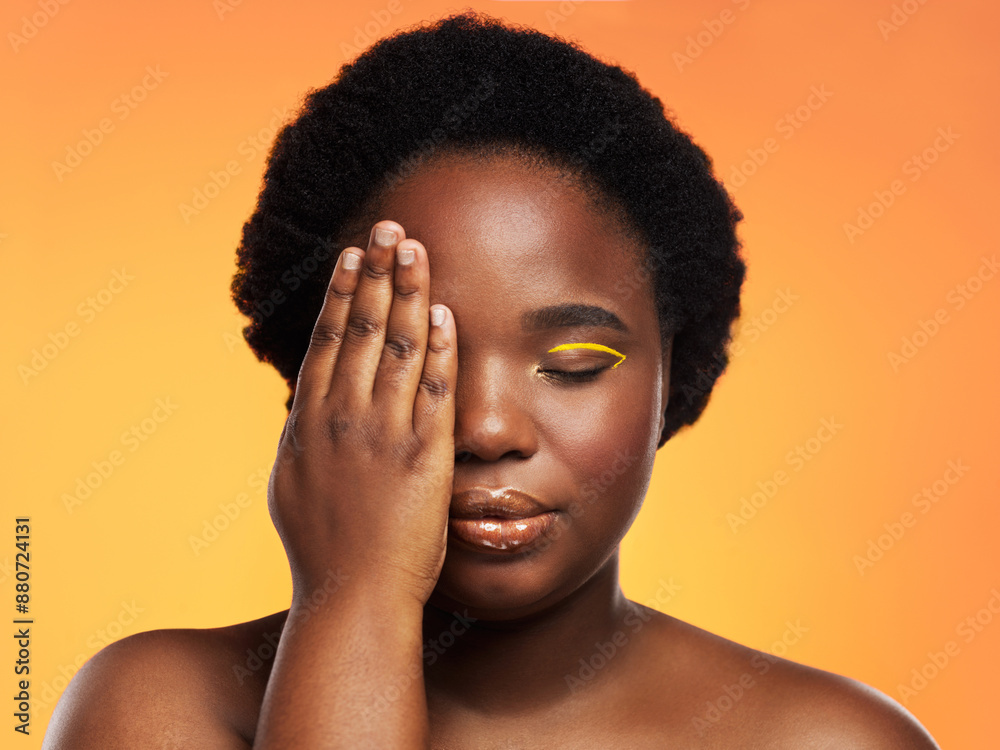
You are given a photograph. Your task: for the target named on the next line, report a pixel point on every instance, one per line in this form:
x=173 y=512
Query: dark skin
x=503 y=240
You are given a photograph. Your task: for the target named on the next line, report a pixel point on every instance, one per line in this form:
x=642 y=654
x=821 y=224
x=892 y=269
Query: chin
x=498 y=586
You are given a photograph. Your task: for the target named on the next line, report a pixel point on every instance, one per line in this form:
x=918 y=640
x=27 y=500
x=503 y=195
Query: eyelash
x=581 y=376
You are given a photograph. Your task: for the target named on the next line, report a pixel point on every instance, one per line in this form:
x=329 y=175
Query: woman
x=497 y=279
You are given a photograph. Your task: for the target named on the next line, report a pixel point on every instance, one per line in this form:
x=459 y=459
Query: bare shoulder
x=823 y=709
x=738 y=696
x=165 y=689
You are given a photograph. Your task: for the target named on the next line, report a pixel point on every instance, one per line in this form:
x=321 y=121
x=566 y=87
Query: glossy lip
x=506 y=502
x=504 y=535
x=498 y=521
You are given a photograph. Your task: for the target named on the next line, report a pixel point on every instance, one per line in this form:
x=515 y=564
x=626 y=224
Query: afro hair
x=472 y=83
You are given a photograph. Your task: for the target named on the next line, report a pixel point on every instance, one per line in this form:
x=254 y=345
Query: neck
x=504 y=667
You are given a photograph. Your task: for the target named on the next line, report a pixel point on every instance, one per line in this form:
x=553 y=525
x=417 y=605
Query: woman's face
x=503 y=243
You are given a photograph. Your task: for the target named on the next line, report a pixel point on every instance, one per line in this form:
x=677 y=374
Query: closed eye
x=574 y=376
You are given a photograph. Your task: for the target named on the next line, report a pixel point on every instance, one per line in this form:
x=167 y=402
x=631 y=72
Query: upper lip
x=506 y=502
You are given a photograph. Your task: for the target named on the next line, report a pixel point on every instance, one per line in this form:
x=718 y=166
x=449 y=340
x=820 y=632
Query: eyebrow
x=569 y=315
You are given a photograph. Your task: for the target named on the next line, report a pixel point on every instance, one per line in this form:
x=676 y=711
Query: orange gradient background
x=121 y=561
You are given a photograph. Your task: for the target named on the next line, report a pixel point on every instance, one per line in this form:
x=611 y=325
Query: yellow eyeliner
x=599 y=347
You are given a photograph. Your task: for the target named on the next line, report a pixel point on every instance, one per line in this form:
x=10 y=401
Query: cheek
x=607 y=443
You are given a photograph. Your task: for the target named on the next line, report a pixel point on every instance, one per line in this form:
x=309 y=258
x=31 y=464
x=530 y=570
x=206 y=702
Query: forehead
x=503 y=237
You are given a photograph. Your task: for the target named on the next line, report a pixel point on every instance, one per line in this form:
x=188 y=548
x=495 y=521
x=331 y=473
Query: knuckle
x=363 y=326
x=326 y=335
x=342 y=428
x=336 y=426
x=334 y=293
x=370 y=436
x=407 y=291
x=439 y=347
x=407 y=452
x=402 y=346
x=375 y=273
x=435 y=385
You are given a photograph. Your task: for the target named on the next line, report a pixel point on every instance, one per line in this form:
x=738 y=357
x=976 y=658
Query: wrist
x=358 y=596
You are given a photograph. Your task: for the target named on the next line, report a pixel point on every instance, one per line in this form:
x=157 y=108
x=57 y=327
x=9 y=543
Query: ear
x=668 y=348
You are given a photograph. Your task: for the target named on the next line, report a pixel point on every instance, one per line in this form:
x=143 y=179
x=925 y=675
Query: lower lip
x=501 y=534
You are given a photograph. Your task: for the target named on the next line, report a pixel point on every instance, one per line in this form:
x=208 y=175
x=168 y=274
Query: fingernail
x=385 y=237
x=405 y=255
x=437 y=316
x=352 y=261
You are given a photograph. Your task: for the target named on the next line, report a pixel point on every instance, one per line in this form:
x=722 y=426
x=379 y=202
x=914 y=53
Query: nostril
x=463 y=456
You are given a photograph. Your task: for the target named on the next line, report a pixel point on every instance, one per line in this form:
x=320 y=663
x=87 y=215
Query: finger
x=361 y=349
x=434 y=406
x=402 y=359
x=313 y=381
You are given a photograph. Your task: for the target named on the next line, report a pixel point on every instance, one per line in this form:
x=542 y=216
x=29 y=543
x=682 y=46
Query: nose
x=492 y=416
